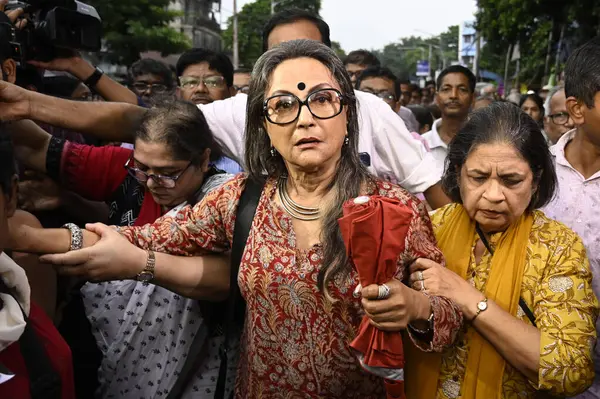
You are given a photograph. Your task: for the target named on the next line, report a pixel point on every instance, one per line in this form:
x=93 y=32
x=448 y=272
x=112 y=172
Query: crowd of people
x=178 y=236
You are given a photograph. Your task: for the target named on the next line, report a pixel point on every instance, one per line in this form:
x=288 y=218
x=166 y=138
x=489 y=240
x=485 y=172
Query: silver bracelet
x=76 y=236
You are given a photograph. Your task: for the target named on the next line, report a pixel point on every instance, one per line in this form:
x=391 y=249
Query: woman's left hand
x=111 y=258
x=434 y=279
x=402 y=307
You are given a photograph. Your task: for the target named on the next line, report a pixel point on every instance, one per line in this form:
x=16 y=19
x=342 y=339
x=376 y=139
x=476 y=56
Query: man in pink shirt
x=577 y=160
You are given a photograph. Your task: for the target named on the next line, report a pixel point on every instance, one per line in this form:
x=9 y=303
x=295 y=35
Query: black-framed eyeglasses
x=282 y=109
x=384 y=95
x=154 y=87
x=560 y=118
x=354 y=74
x=242 y=89
x=191 y=82
x=161 y=180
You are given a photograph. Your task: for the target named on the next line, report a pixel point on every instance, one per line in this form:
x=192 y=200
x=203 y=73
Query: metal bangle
x=76 y=236
x=423 y=332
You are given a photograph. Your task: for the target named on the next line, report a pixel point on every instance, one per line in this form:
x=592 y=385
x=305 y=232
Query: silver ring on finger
x=420 y=275
x=422 y=285
x=384 y=292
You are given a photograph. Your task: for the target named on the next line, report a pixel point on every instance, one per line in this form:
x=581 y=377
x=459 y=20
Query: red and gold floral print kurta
x=295 y=342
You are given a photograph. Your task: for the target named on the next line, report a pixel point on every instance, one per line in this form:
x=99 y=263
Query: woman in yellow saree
x=522 y=280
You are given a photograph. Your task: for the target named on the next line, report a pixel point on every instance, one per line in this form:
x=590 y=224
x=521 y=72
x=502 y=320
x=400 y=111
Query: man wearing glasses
x=204 y=76
x=383 y=83
x=241 y=80
x=150 y=80
x=557 y=120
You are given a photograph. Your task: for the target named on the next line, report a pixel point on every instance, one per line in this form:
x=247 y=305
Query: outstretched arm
x=105 y=120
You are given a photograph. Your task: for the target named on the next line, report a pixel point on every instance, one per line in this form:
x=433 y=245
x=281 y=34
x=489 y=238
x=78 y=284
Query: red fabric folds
x=374 y=231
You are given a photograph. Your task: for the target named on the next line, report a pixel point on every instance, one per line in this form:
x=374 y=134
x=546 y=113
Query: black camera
x=55 y=28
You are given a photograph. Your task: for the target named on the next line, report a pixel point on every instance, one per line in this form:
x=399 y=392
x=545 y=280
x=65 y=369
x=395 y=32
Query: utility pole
x=548 y=53
x=430 y=59
x=477 y=60
x=559 y=51
x=272 y=7
x=236 y=55
x=506 y=65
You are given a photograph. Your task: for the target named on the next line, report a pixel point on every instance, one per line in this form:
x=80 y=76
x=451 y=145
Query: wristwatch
x=92 y=81
x=147 y=275
x=481 y=307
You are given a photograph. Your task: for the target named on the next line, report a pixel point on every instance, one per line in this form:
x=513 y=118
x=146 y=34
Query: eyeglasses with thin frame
x=161 y=180
x=560 y=118
x=191 y=82
x=154 y=87
x=384 y=95
x=242 y=89
x=282 y=109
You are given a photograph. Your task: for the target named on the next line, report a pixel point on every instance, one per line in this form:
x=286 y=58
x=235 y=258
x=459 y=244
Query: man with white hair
x=557 y=120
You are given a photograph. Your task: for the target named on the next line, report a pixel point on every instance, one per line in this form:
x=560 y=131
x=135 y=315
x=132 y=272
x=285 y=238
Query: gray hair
x=551 y=94
x=350 y=175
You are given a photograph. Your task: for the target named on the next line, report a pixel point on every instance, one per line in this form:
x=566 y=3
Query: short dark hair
x=149 y=66
x=536 y=99
x=216 y=61
x=182 y=127
x=362 y=57
x=429 y=82
x=582 y=72
x=60 y=86
x=8 y=166
x=5 y=47
x=292 y=15
x=379 y=72
x=502 y=123
x=435 y=110
x=28 y=76
x=457 y=69
x=422 y=114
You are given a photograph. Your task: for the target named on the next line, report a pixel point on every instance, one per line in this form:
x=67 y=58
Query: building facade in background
x=467 y=43
x=199 y=22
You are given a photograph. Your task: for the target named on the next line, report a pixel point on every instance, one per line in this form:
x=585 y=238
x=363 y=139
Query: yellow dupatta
x=485 y=366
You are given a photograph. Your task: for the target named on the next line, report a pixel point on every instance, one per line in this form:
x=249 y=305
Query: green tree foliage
x=529 y=23
x=309 y=5
x=251 y=21
x=134 y=26
x=402 y=57
x=337 y=47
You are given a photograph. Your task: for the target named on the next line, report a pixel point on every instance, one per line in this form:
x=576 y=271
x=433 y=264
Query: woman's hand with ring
x=402 y=306
x=111 y=258
x=436 y=280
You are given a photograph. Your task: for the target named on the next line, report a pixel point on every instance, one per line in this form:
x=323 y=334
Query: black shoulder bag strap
x=233 y=308
x=236 y=306
x=522 y=303
x=44 y=381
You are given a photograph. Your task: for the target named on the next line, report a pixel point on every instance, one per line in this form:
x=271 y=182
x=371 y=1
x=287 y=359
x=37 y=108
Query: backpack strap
x=44 y=381
x=522 y=302
x=236 y=306
x=229 y=314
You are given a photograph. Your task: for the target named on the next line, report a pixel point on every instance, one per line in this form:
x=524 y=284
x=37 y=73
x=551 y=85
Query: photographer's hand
x=75 y=65
x=13 y=15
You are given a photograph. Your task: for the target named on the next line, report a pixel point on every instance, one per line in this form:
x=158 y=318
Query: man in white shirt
x=455 y=97
x=385 y=144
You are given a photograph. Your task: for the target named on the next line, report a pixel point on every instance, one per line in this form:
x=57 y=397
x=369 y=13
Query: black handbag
x=230 y=313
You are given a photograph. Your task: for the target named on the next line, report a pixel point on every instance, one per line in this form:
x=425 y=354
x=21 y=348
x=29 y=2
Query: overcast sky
x=372 y=24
